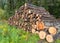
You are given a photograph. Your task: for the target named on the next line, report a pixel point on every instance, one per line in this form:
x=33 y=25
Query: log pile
x=31 y=18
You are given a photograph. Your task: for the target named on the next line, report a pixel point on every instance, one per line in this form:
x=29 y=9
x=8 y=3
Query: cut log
x=37 y=15
x=42 y=34
x=33 y=30
x=34 y=26
x=30 y=11
x=52 y=30
x=49 y=38
x=25 y=4
x=40 y=25
x=22 y=16
x=38 y=18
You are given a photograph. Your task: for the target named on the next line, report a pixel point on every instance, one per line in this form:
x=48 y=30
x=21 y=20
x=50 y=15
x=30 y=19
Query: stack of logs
x=28 y=17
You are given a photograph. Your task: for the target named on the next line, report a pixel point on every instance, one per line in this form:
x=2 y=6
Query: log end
x=42 y=34
x=49 y=38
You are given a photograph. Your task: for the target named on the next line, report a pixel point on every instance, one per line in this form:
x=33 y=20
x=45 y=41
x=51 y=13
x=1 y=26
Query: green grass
x=57 y=41
x=11 y=34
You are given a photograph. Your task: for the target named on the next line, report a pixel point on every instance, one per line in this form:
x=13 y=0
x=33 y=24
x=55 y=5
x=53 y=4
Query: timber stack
x=34 y=19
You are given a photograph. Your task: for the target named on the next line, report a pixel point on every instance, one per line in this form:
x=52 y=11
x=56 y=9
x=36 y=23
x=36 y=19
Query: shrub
x=2 y=13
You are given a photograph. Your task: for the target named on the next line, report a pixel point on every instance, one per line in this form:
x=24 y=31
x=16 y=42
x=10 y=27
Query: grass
x=11 y=34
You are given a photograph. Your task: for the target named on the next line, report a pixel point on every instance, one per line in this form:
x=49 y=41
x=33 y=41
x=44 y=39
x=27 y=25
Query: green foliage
x=53 y=6
x=55 y=10
x=2 y=12
x=57 y=41
x=19 y=3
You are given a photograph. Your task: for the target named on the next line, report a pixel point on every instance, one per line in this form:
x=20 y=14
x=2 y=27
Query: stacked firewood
x=30 y=18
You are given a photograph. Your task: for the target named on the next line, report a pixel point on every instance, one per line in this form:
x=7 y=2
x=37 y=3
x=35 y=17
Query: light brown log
x=25 y=4
x=34 y=26
x=22 y=16
x=52 y=30
x=49 y=38
x=33 y=30
x=37 y=15
x=42 y=34
x=31 y=20
x=40 y=25
x=31 y=16
x=16 y=23
x=38 y=18
x=29 y=11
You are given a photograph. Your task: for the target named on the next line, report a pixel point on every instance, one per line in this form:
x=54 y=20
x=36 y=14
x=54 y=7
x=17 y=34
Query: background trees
x=11 y=5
